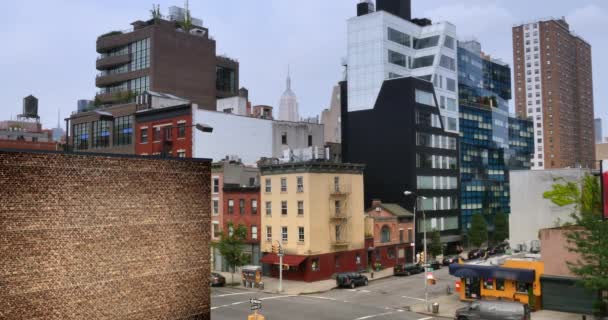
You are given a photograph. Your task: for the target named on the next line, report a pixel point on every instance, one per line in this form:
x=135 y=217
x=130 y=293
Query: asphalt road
x=384 y=299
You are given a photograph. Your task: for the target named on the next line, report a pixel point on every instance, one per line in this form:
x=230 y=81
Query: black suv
x=406 y=269
x=351 y=280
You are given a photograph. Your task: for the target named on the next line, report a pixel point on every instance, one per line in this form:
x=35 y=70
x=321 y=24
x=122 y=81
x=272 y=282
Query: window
x=390 y=252
x=301 y=234
x=143 y=135
x=385 y=234
x=398 y=37
x=168 y=133
x=500 y=284
x=254 y=232
x=283 y=184
x=521 y=287
x=230 y=230
x=448 y=63
x=181 y=130
x=230 y=206
x=450 y=84
x=216 y=207
x=156 y=134
x=81 y=136
x=101 y=134
x=216 y=185
x=268 y=233
x=254 y=206
x=451 y=104
x=216 y=230
x=401 y=235
x=397 y=58
x=300 y=183
x=337 y=206
x=426 y=42
x=284 y=138
x=284 y=208
x=410 y=237
x=268 y=185
x=449 y=42
x=300 y=208
x=425 y=182
x=123 y=131
x=181 y=153
x=425 y=97
x=315 y=265
x=268 y=208
x=337 y=184
x=284 y=234
x=422 y=62
x=310 y=140
x=358 y=258
x=140 y=53
x=242 y=206
x=488 y=284
x=452 y=124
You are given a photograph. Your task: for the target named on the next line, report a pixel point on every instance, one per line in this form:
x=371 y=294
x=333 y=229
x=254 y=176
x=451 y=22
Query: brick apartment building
x=241 y=207
x=389 y=234
x=554 y=88
x=103 y=245
x=165 y=131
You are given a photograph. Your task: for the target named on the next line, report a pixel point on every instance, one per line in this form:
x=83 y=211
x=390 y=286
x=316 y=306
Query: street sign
x=256 y=307
x=256 y=304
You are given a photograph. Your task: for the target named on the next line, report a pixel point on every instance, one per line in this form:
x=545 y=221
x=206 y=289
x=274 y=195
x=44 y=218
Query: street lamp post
x=426 y=292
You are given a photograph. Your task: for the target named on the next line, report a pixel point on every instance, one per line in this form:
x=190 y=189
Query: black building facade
x=403 y=145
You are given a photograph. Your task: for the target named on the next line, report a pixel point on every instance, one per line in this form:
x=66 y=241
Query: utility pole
x=426 y=292
x=280 y=268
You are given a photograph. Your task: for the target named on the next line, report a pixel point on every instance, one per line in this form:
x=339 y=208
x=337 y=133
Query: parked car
x=217 y=280
x=407 y=269
x=448 y=260
x=493 y=310
x=351 y=280
x=433 y=264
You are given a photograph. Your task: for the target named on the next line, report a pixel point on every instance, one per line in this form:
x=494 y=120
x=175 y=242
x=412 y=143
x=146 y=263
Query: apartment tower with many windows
x=554 y=87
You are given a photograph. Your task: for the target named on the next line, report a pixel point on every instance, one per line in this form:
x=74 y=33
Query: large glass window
x=448 y=63
x=123 y=131
x=101 y=134
x=398 y=37
x=451 y=104
x=225 y=79
x=452 y=124
x=397 y=58
x=422 y=62
x=450 y=84
x=425 y=97
x=425 y=182
x=139 y=85
x=81 y=136
x=426 y=42
x=449 y=42
x=140 y=54
x=385 y=234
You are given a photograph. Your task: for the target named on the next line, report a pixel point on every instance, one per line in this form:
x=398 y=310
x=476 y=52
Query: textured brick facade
x=91 y=237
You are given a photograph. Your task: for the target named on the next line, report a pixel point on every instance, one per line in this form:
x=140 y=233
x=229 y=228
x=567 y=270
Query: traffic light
x=275 y=248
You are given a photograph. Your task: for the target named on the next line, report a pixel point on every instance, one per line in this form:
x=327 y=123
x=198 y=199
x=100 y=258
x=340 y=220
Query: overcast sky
x=48 y=47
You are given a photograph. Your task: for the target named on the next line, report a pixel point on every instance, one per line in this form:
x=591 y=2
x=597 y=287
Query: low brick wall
x=101 y=237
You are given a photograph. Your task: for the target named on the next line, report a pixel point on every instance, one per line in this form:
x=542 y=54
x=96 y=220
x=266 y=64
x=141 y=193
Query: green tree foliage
x=501 y=227
x=435 y=248
x=589 y=239
x=231 y=247
x=478 y=233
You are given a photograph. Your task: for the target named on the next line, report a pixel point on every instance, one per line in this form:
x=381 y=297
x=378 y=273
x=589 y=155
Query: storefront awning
x=289 y=260
x=491 y=272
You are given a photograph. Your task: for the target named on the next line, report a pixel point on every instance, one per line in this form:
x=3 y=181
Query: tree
x=478 y=233
x=590 y=239
x=435 y=248
x=230 y=247
x=501 y=227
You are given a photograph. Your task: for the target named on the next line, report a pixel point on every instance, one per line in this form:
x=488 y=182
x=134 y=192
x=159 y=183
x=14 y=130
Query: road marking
x=375 y=315
x=412 y=298
x=322 y=298
x=231 y=294
x=247 y=301
x=427 y=318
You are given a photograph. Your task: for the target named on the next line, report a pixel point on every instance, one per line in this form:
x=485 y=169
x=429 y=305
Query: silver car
x=493 y=310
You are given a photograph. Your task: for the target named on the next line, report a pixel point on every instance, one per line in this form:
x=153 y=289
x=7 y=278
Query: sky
x=48 y=47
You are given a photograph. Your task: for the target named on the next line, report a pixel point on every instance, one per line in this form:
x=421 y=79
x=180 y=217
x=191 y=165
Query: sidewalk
x=271 y=285
x=449 y=304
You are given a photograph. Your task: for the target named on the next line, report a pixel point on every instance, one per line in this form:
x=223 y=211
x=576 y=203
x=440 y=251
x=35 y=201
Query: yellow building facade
x=315 y=211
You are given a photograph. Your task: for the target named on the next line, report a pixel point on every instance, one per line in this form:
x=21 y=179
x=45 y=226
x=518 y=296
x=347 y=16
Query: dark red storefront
x=388 y=255
x=316 y=267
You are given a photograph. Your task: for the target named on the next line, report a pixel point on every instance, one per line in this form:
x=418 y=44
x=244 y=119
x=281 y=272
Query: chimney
x=364 y=7
x=376 y=203
x=400 y=8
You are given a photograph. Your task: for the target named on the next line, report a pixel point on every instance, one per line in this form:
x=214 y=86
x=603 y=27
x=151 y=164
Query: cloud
x=589 y=19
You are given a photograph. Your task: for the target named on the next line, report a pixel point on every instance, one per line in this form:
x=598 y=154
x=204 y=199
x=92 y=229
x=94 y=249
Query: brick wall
x=92 y=237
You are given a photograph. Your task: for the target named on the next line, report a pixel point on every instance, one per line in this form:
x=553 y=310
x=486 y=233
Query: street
x=387 y=298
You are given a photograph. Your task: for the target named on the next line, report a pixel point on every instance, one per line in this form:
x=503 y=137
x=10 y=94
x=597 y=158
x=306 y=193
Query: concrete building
x=387 y=43
x=315 y=211
x=166 y=55
x=389 y=234
x=598 y=130
x=554 y=88
x=330 y=118
x=257 y=138
x=288 y=104
x=530 y=212
x=26 y=132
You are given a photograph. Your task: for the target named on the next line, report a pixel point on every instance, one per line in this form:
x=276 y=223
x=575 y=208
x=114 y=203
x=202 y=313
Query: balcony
x=105 y=63
x=338 y=215
x=339 y=190
x=114 y=39
x=104 y=80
